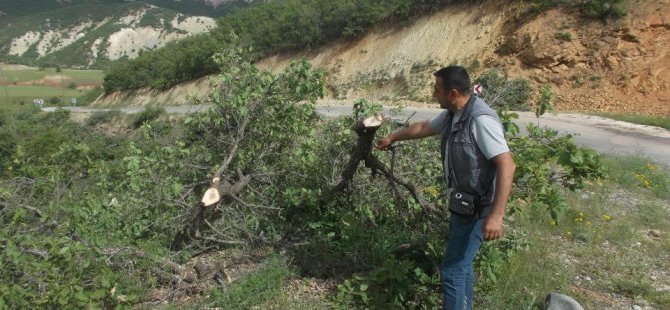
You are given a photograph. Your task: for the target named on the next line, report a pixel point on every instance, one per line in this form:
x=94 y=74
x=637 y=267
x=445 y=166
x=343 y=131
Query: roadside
x=602 y=134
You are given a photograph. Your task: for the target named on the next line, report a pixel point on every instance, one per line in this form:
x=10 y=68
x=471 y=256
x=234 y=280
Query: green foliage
x=55 y=100
x=493 y=256
x=603 y=9
x=502 y=92
x=90 y=96
x=149 y=114
x=546 y=161
x=68 y=188
x=394 y=285
x=638 y=171
x=177 y=62
x=563 y=36
x=544 y=101
x=101 y=117
x=650 y=120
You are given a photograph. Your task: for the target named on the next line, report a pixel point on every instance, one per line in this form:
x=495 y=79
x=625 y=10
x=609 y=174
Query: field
x=22 y=85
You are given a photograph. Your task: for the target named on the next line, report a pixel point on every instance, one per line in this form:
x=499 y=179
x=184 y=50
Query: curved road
x=602 y=134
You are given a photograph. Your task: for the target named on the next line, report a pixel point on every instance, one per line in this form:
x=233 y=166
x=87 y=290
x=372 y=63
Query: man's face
x=443 y=96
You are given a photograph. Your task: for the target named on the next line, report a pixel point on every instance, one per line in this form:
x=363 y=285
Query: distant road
x=602 y=134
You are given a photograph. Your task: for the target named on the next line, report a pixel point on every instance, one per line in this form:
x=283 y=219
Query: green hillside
x=42 y=16
x=270 y=27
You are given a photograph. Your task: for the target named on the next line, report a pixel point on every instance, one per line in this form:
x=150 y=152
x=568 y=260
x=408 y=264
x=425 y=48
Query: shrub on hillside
x=603 y=9
x=55 y=100
x=150 y=113
x=501 y=91
x=101 y=117
x=90 y=96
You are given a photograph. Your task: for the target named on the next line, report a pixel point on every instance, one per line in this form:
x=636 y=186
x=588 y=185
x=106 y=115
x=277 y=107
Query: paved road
x=602 y=134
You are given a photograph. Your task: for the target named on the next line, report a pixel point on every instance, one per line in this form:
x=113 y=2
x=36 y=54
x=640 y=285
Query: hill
x=87 y=33
x=589 y=63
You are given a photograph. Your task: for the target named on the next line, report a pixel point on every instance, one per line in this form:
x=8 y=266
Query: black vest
x=469 y=170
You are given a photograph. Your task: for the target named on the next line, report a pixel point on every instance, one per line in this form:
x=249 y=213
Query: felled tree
x=257 y=120
x=365 y=129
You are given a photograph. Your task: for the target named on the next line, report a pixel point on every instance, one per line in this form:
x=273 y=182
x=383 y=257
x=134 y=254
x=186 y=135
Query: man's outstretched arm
x=415 y=131
x=493 y=225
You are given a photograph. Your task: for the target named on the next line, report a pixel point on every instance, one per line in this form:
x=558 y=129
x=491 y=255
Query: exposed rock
x=655 y=233
x=557 y=301
x=611 y=62
x=516 y=43
x=630 y=37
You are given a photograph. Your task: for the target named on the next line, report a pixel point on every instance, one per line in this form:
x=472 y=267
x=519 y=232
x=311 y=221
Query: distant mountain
x=91 y=33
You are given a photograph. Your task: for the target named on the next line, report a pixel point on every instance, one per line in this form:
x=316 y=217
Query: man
x=477 y=162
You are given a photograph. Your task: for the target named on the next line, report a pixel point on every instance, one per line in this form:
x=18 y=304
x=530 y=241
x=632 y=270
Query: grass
x=601 y=248
x=255 y=289
x=11 y=108
x=600 y=252
x=658 y=121
x=77 y=76
x=15 y=94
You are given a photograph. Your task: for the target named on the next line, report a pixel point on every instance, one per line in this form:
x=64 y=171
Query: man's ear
x=454 y=93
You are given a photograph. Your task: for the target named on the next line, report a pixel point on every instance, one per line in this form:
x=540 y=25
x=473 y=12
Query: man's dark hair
x=454 y=77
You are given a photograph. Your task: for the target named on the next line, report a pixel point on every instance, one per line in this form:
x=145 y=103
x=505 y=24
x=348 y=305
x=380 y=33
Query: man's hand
x=493 y=227
x=384 y=143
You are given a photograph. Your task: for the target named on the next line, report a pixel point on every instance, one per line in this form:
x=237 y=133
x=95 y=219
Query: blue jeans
x=456 y=274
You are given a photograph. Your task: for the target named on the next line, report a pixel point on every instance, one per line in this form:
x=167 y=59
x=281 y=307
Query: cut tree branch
x=363 y=152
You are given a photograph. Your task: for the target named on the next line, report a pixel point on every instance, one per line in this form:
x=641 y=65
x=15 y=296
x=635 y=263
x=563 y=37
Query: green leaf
x=64 y=250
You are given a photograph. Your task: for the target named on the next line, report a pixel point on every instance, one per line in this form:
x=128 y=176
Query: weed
x=563 y=36
x=255 y=289
x=149 y=113
x=651 y=120
x=101 y=117
x=638 y=171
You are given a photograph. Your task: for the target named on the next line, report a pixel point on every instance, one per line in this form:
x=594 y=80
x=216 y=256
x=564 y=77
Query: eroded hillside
x=113 y=32
x=591 y=65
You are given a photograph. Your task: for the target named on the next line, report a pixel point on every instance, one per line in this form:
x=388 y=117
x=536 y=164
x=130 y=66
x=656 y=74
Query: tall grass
x=651 y=120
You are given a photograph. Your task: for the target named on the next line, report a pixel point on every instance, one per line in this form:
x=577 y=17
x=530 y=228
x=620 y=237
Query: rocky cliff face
x=88 y=40
x=619 y=66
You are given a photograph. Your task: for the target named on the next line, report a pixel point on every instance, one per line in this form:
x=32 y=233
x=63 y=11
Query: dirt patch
x=10 y=67
x=58 y=80
x=87 y=86
x=191 y=282
x=594 y=66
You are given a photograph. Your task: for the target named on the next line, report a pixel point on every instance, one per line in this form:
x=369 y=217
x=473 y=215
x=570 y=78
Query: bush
x=149 y=114
x=563 y=36
x=603 y=9
x=501 y=91
x=72 y=85
x=100 y=117
x=55 y=100
x=90 y=96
